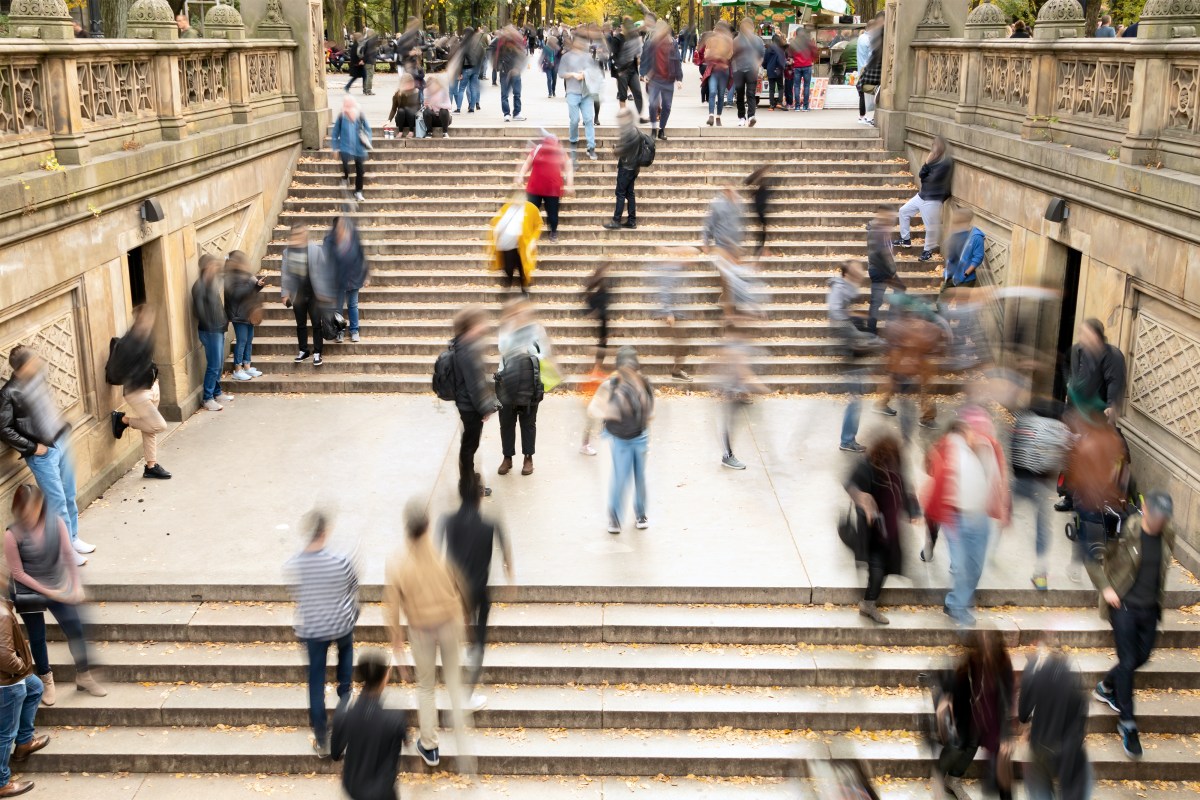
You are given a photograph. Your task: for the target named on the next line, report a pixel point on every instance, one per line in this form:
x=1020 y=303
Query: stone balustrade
x=77 y=100
x=1132 y=99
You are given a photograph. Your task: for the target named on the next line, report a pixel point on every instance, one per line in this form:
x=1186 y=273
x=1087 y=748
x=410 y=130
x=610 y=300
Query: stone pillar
x=1148 y=112
x=224 y=22
x=302 y=22
x=40 y=19
x=168 y=96
x=63 y=114
x=151 y=19
x=1060 y=19
x=1170 y=19
x=1042 y=86
x=987 y=21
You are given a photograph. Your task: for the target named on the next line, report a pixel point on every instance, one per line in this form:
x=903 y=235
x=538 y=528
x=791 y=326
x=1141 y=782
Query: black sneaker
x=118 y=426
x=612 y=225
x=156 y=471
x=591 y=153
x=430 y=757
x=903 y=242
x=1066 y=504
x=1105 y=695
x=631 y=225
x=642 y=523
x=926 y=255
x=662 y=135
x=1130 y=740
x=887 y=411
x=301 y=356
x=853 y=447
x=317 y=360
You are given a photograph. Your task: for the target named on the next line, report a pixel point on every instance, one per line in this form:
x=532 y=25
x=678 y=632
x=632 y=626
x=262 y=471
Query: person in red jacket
x=803 y=51
x=968 y=488
x=548 y=175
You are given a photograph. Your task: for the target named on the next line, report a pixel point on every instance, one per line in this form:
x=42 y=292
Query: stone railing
x=76 y=100
x=1133 y=99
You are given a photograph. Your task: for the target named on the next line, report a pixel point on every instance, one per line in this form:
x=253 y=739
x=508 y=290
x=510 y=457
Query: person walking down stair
x=131 y=366
x=20 y=694
x=346 y=259
x=513 y=242
x=307 y=287
x=369 y=736
x=663 y=71
x=351 y=141
x=40 y=561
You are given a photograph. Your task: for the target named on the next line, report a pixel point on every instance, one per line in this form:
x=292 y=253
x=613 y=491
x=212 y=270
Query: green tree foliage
x=1125 y=12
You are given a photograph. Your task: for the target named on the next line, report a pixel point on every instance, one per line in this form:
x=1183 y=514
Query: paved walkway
x=539 y=109
x=246 y=475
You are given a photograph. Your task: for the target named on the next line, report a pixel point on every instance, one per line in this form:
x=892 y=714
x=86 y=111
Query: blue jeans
x=468 y=82
x=718 y=83
x=1028 y=488
x=55 y=475
x=579 y=105
x=18 y=705
x=71 y=625
x=801 y=74
x=243 y=333
x=968 y=538
x=349 y=297
x=510 y=83
x=318 y=650
x=853 y=408
x=214 y=355
x=628 y=456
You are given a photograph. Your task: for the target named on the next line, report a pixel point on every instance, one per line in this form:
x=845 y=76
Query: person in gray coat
x=308 y=288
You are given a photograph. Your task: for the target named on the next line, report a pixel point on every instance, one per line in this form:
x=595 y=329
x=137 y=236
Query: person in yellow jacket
x=513 y=242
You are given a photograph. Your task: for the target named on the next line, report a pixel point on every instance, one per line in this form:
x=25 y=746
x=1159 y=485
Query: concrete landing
x=245 y=476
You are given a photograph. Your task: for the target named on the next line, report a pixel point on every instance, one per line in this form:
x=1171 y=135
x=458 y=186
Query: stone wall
x=1031 y=121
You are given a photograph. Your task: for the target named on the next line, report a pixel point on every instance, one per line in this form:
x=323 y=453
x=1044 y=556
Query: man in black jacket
x=937 y=174
x=132 y=364
x=211 y=322
x=474 y=397
x=370 y=736
x=881 y=262
x=470 y=541
x=628 y=149
x=32 y=424
x=1053 y=704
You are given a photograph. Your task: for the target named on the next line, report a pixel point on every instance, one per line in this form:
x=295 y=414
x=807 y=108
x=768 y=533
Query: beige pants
x=143 y=416
x=426 y=642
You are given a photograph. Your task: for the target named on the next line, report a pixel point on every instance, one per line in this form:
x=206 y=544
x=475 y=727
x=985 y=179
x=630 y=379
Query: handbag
x=550 y=375
x=851 y=530
x=364 y=134
x=256 y=315
x=332 y=323
x=421 y=130
x=26 y=600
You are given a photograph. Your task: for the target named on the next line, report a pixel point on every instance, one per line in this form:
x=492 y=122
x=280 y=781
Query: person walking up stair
x=628 y=150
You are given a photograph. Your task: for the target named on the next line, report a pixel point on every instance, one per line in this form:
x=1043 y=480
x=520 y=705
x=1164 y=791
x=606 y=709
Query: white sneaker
x=864 y=121
x=224 y=397
x=242 y=375
x=741 y=122
x=80 y=559
x=253 y=373
x=588 y=450
x=507 y=118
x=83 y=547
x=477 y=701
x=354 y=336
x=359 y=196
x=212 y=405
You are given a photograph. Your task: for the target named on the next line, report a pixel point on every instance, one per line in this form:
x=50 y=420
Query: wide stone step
x=669 y=707
x=724 y=136
x=717 y=752
x=501 y=161
x=525 y=623
x=683 y=190
x=387 y=174
x=574 y=227
x=281 y=341
x=560 y=663
x=612 y=245
x=796 y=208
x=560 y=259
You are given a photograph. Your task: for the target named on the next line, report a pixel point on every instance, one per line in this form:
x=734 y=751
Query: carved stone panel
x=316 y=37
x=1101 y=90
x=944 y=73
x=22 y=105
x=262 y=71
x=1006 y=81
x=115 y=89
x=1183 y=97
x=1165 y=377
x=203 y=79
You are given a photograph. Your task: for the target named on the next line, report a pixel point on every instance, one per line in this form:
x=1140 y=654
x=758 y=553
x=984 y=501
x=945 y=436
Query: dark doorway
x=1066 y=322
x=137 y=278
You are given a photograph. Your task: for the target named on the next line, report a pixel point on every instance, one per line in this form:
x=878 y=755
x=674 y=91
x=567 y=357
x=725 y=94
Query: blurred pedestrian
x=1097 y=479
x=513 y=242
x=44 y=575
x=20 y=694
x=474 y=397
x=967 y=489
x=32 y=424
x=470 y=541
x=1040 y=443
x=370 y=736
x=523 y=346
x=351 y=141
x=936 y=176
x=510 y=61
x=348 y=263
x=369 y=52
x=406 y=105
x=661 y=67
x=1132 y=581
x=1053 y=704
x=625 y=403
x=573 y=68
x=308 y=287
x=916 y=338
x=628 y=150
x=774 y=65
x=547 y=175
x=878 y=487
x=626 y=48
x=324 y=587
x=723 y=226
x=549 y=63
x=870 y=65
x=965 y=246
x=748 y=51
x=849 y=328
x=243 y=306
x=804 y=54
x=208 y=308
x=356 y=53
x=131 y=366
x=761 y=184
x=738 y=385
x=671 y=304
x=596 y=292
x=716 y=55
x=984 y=702
x=421 y=586
x=469 y=57
x=881 y=262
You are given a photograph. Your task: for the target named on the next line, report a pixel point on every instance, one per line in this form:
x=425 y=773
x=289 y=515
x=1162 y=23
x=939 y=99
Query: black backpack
x=445 y=378
x=520 y=382
x=332 y=323
x=645 y=151
x=632 y=402
x=110 y=369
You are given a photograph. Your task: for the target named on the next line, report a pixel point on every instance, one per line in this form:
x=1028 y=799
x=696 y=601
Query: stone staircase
x=599 y=681
x=429 y=201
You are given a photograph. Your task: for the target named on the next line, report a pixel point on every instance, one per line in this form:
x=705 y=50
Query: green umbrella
x=813 y=4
